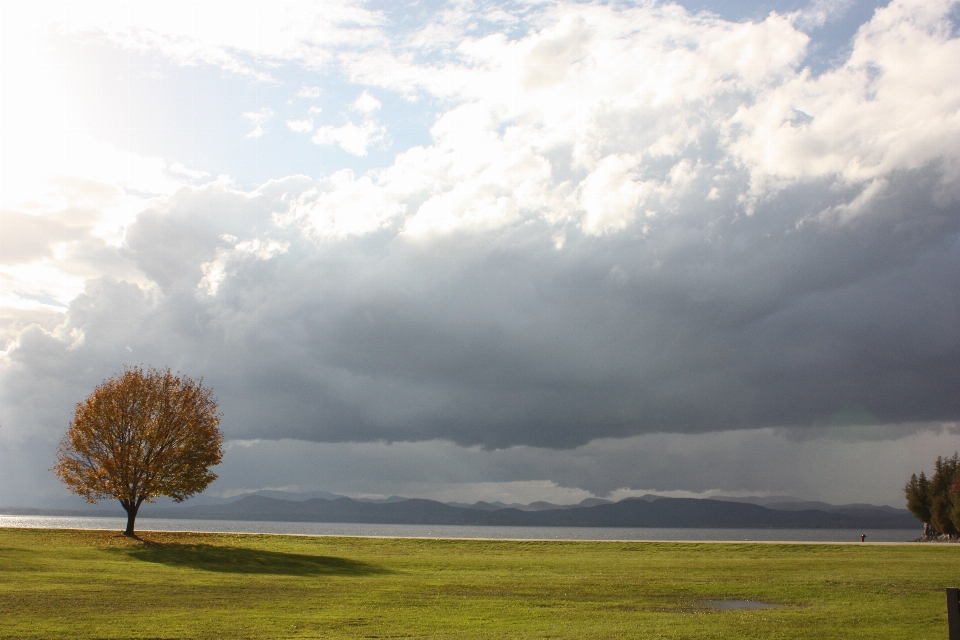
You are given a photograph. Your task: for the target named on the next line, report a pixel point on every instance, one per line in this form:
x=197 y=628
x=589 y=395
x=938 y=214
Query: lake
x=459 y=531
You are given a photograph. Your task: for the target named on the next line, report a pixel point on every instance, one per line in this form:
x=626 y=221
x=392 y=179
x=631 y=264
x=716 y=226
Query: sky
x=505 y=251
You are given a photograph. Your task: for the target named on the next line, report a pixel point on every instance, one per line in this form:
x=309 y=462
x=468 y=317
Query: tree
x=918 y=490
x=936 y=502
x=142 y=435
x=941 y=497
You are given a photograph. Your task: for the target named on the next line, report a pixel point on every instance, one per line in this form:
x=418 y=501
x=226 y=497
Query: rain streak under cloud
x=493 y=251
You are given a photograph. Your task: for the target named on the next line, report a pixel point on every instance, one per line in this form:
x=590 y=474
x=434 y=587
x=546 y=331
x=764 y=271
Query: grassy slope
x=99 y=584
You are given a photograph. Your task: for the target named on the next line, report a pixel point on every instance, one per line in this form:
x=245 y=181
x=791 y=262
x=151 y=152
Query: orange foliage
x=140 y=435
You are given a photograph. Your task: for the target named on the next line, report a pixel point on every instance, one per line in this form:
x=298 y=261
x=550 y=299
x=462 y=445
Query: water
x=459 y=531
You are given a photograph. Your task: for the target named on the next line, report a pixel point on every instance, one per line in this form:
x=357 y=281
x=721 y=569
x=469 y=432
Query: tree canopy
x=140 y=435
x=936 y=501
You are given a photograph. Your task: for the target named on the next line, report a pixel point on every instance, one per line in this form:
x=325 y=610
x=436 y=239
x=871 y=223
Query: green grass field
x=97 y=584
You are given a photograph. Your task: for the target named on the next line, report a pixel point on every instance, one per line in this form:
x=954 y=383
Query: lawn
x=98 y=584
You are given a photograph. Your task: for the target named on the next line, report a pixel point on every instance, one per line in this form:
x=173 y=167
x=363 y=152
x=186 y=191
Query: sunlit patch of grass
x=96 y=584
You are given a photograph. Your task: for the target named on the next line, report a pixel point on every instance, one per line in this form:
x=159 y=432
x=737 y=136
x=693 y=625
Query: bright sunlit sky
x=504 y=251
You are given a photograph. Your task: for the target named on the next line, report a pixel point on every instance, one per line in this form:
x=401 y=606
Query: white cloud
x=602 y=81
x=352 y=138
x=343 y=205
x=610 y=195
x=501 y=181
x=366 y=103
x=246 y=40
x=89 y=193
x=258 y=118
x=309 y=92
x=594 y=116
x=301 y=126
x=657 y=82
x=193 y=174
x=866 y=117
x=819 y=12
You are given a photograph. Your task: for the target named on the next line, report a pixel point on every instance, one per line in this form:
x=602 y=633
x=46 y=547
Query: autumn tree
x=936 y=501
x=144 y=434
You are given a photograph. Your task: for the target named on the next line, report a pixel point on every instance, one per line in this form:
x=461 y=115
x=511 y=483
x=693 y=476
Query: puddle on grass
x=748 y=605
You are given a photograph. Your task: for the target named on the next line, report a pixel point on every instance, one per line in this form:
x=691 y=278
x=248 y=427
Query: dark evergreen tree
x=918 y=500
x=936 y=502
x=955 y=495
x=941 y=500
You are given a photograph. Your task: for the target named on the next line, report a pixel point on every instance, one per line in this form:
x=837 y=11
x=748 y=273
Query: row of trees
x=936 y=501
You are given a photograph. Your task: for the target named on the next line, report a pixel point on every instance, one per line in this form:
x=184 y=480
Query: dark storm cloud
x=706 y=321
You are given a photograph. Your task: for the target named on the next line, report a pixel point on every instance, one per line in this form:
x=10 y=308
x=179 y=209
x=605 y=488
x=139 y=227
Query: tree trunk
x=131 y=508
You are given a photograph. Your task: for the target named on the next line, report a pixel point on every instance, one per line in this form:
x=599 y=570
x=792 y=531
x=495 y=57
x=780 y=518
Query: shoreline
x=481 y=539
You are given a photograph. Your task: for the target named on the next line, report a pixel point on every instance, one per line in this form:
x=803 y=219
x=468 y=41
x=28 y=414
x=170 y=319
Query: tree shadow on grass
x=208 y=557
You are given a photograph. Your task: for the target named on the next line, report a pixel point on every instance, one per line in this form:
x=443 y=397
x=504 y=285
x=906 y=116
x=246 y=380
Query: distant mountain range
x=645 y=511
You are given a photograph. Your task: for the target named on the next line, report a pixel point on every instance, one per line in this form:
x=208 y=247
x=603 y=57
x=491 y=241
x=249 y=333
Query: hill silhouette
x=631 y=512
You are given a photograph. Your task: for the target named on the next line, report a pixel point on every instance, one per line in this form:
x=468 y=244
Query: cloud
x=342 y=206
x=246 y=40
x=301 y=126
x=366 y=103
x=27 y=237
x=627 y=225
x=820 y=12
x=216 y=270
x=193 y=174
x=309 y=92
x=872 y=91
x=355 y=139
x=496 y=338
x=352 y=138
x=602 y=83
x=610 y=195
x=65 y=212
x=258 y=118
